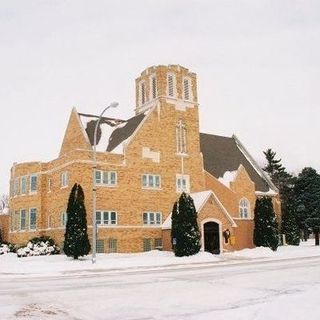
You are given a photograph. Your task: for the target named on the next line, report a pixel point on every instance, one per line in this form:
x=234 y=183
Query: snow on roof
x=269 y=193
x=199 y=199
x=4 y=211
x=228 y=177
x=112 y=134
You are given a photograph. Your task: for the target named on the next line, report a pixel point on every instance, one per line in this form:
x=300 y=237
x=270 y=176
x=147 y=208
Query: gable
x=74 y=137
x=222 y=154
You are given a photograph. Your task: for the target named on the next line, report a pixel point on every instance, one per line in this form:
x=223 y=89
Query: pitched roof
x=200 y=199
x=222 y=154
x=111 y=132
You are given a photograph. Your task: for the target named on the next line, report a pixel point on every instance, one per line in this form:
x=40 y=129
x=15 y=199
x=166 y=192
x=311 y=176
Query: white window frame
x=153 y=87
x=142 y=93
x=63 y=219
x=31 y=189
x=16 y=187
x=181 y=137
x=49 y=184
x=244 y=208
x=152 y=218
x=105 y=218
x=64 y=179
x=183 y=183
x=106 y=178
x=171 y=87
x=33 y=226
x=186 y=83
x=25 y=219
x=23 y=186
x=151 y=181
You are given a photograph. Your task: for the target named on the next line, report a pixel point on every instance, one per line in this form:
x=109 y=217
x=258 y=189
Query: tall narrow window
x=64 y=179
x=170 y=80
x=23 y=185
x=33 y=218
x=186 y=89
x=181 y=137
x=244 y=208
x=33 y=183
x=153 y=87
x=143 y=92
x=64 y=218
x=23 y=219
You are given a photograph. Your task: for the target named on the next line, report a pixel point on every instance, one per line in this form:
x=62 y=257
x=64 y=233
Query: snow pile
x=6 y=248
x=40 y=248
x=228 y=177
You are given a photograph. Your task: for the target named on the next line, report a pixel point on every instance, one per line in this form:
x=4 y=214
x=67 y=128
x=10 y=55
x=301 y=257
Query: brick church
x=143 y=165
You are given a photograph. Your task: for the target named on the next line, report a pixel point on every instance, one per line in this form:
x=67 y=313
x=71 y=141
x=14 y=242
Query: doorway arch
x=211 y=237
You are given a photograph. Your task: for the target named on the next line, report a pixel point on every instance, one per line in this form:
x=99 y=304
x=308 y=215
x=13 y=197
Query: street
x=254 y=290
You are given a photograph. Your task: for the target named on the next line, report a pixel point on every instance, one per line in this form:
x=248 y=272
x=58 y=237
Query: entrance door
x=211 y=237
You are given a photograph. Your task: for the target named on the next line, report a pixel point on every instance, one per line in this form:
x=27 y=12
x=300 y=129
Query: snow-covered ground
x=255 y=284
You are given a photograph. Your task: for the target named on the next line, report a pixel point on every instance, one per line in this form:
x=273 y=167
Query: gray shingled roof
x=221 y=154
x=123 y=129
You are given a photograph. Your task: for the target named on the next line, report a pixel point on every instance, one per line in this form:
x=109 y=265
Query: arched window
x=181 y=137
x=244 y=208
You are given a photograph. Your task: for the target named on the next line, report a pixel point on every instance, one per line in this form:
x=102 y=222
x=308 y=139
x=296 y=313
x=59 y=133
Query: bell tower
x=173 y=84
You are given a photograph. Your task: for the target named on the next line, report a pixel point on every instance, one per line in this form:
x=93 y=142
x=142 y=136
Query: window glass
x=23 y=219
x=33 y=218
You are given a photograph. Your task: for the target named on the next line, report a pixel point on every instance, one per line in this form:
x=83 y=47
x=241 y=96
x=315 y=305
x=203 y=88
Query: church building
x=143 y=165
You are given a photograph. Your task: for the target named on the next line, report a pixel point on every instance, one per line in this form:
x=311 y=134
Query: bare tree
x=4 y=202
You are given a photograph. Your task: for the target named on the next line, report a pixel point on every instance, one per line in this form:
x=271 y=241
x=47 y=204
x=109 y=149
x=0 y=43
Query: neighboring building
x=144 y=163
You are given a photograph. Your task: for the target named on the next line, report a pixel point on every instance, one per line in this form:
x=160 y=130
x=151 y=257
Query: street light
x=94 y=222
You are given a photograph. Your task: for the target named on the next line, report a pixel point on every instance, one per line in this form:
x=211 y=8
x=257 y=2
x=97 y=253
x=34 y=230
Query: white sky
x=257 y=63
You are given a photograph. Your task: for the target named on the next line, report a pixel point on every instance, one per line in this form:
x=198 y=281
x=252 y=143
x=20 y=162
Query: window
x=151 y=181
x=11 y=188
x=105 y=178
x=49 y=221
x=23 y=219
x=64 y=179
x=33 y=218
x=33 y=183
x=49 y=184
x=244 y=208
x=100 y=246
x=152 y=218
x=16 y=190
x=186 y=89
x=181 y=137
x=143 y=92
x=23 y=185
x=113 y=245
x=106 y=217
x=63 y=219
x=183 y=183
x=158 y=243
x=147 y=244
x=17 y=220
x=153 y=87
x=170 y=88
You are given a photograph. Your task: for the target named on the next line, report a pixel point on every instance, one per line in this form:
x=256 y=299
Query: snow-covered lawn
x=248 y=285
x=10 y=265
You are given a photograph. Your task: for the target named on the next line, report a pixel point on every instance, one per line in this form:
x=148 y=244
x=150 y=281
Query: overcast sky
x=257 y=63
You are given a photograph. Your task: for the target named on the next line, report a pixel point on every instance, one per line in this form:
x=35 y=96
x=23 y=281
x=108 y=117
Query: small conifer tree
x=76 y=241
x=265 y=224
x=290 y=226
x=185 y=228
